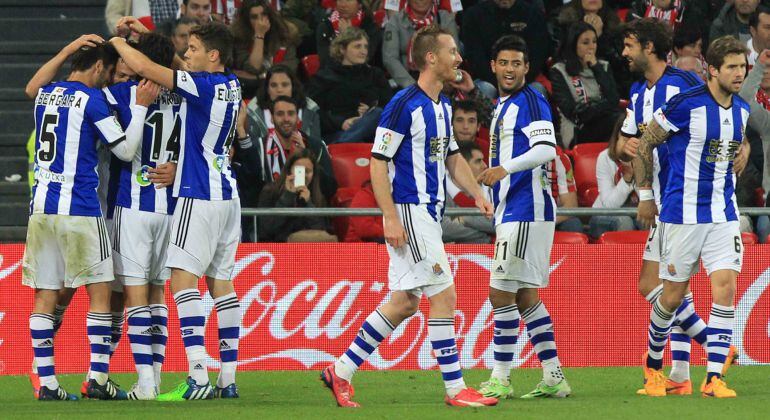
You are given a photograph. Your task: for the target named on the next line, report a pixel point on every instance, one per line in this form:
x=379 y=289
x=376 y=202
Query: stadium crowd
x=316 y=74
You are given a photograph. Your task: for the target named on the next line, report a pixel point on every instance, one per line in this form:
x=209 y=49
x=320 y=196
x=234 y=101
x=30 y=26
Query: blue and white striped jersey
x=415 y=136
x=70 y=118
x=705 y=137
x=520 y=122
x=643 y=103
x=160 y=144
x=209 y=113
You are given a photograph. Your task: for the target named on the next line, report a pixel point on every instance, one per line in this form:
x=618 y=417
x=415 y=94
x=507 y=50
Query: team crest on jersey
x=218 y=162
x=437 y=270
x=143 y=176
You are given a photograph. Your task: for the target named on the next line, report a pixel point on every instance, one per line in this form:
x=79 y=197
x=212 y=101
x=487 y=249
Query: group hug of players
x=175 y=127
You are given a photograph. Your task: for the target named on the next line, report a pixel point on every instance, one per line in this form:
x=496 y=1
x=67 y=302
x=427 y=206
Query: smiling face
x=446 y=59
x=356 y=52
x=635 y=54
x=510 y=69
x=285 y=118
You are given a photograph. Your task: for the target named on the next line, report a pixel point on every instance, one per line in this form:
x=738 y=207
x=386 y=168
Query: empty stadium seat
x=749 y=238
x=350 y=163
x=584 y=162
x=310 y=65
x=342 y=198
x=624 y=237
x=569 y=238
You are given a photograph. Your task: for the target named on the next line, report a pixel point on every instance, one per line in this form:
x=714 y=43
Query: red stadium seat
x=588 y=196
x=570 y=238
x=624 y=237
x=622 y=13
x=584 y=156
x=329 y=4
x=350 y=162
x=379 y=17
x=310 y=65
x=342 y=198
x=749 y=238
x=759 y=197
x=545 y=82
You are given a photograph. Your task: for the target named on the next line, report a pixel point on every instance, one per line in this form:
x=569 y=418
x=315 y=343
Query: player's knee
x=499 y=298
x=723 y=287
x=527 y=298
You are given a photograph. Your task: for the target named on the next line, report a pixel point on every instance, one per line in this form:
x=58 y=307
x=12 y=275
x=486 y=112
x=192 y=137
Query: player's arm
x=627 y=143
x=142 y=65
x=542 y=149
x=654 y=135
x=48 y=71
x=395 y=234
x=463 y=176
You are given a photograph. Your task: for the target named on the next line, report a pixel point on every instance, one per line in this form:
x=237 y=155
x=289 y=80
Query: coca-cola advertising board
x=303 y=304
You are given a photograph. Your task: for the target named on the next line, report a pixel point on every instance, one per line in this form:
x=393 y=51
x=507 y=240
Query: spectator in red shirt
x=347 y=13
x=564 y=191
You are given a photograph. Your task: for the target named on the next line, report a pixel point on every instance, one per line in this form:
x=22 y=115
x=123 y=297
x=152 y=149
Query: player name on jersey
x=59 y=99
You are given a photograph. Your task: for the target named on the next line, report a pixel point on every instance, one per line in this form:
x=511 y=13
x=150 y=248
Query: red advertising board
x=303 y=304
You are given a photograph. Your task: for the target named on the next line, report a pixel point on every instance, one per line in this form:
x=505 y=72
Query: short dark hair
x=157 y=48
x=283 y=98
x=651 y=30
x=467 y=148
x=216 y=36
x=425 y=41
x=185 y=20
x=686 y=34
x=754 y=18
x=84 y=58
x=510 y=43
x=466 y=105
x=721 y=48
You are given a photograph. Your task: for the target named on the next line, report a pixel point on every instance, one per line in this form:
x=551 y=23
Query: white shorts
x=139 y=242
x=205 y=236
x=66 y=251
x=652 y=246
x=522 y=256
x=682 y=246
x=420 y=266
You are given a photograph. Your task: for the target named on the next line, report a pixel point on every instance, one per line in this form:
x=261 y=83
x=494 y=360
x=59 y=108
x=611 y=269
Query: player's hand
x=466 y=85
x=163 y=175
x=130 y=24
x=646 y=213
x=395 y=234
x=304 y=193
x=147 y=92
x=742 y=158
x=88 y=40
x=485 y=206
x=261 y=26
x=631 y=146
x=491 y=175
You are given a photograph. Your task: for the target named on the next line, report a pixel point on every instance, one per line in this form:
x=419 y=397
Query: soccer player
x=142 y=220
x=647 y=43
x=67 y=240
x=522 y=142
x=413 y=150
x=205 y=227
x=703 y=128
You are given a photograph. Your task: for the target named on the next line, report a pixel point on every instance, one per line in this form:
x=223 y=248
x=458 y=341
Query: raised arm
x=48 y=71
x=142 y=65
x=653 y=136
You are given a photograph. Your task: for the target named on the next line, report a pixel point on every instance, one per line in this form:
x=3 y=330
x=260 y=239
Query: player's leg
x=99 y=328
x=159 y=314
x=139 y=320
x=41 y=324
x=540 y=330
x=506 y=334
x=722 y=259
x=63 y=302
x=377 y=326
x=117 y=313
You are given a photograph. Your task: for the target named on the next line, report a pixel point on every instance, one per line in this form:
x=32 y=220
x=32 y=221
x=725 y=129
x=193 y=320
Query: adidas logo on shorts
x=500 y=269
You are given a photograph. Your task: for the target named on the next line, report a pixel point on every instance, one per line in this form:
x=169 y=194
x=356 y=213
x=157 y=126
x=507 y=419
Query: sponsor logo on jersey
x=142 y=176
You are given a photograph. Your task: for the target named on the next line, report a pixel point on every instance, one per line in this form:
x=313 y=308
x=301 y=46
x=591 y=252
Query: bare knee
x=723 y=285
x=648 y=278
x=527 y=298
x=673 y=293
x=45 y=301
x=499 y=298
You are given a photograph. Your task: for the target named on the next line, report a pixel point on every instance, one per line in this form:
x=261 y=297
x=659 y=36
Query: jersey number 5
x=47 y=150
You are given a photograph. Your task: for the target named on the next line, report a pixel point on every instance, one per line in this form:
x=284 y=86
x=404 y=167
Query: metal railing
x=454 y=211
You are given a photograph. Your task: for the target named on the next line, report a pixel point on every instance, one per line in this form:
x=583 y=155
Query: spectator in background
x=756 y=91
x=287 y=138
x=281 y=81
x=285 y=192
x=262 y=39
x=346 y=14
x=225 y=10
x=399 y=32
x=114 y=11
x=467 y=229
x=688 y=42
x=181 y=34
x=583 y=89
x=564 y=191
x=734 y=20
x=487 y=21
x=615 y=180
x=672 y=12
x=465 y=121
x=759 y=26
x=198 y=10
x=350 y=92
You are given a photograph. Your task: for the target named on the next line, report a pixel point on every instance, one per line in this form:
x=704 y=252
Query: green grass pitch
x=598 y=393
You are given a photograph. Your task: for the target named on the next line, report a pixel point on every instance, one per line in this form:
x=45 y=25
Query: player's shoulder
x=404 y=98
x=119 y=92
x=534 y=101
x=682 y=78
x=637 y=86
x=691 y=96
x=737 y=100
